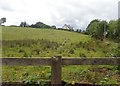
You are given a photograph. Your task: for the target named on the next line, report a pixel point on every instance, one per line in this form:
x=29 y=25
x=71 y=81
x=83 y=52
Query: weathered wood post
x=56 y=68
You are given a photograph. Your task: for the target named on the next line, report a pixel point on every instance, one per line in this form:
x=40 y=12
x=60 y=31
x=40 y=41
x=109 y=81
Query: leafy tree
x=54 y=27
x=118 y=38
x=24 y=24
x=78 y=30
x=114 y=30
x=102 y=30
x=40 y=25
x=118 y=32
x=89 y=25
x=92 y=28
x=118 y=49
x=97 y=29
x=2 y=20
x=113 y=25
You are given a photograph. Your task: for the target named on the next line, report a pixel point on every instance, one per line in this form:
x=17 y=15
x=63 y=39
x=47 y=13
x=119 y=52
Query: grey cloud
x=119 y=10
x=5 y=6
x=83 y=12
x=77 y=13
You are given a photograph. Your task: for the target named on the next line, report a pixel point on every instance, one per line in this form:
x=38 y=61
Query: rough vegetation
x=29 y=42
x=46 y=43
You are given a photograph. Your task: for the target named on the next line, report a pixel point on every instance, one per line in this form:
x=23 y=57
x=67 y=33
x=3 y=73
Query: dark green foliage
x=117 y=51
x=53 y=27
x=79 y=30
x=2 y=20
x=97 y=29
x=102 y=29
x=40 y=25
x=96 y=20
x=71 y=51
x=113 y=30
x=24 y=24
x=82 y=55
x=25 y=54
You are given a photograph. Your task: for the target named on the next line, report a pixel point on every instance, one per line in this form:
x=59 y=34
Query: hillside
x=31 y=42
x=20 y=33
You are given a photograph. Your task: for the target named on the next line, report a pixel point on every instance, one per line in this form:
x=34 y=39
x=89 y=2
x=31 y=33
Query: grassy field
x=29 y=42
x=32 y=42
x=35 y=34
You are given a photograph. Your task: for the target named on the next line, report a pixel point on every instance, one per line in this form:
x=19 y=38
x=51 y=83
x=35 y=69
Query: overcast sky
x=77 y=13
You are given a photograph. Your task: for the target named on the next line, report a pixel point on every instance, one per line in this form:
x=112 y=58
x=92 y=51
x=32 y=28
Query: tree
x=118 y=32
x=114 y=30
x=78 y=30
x=54 y=27
x=97 y=29
x=40 y=25
x=24 y=24
x=92 y=28
x=93 y=21
x=102 y=30
x=2 y=20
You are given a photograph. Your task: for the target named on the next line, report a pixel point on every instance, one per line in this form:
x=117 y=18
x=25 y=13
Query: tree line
x=98 y=29
x=36 y=25
x=101 y=29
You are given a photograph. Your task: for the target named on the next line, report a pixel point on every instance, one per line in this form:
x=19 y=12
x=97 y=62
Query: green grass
x=32 y=42
x=18 y=33
x=83 y=74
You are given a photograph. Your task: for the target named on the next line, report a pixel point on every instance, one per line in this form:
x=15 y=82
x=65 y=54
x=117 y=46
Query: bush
x=82 y=55
x=71 y=51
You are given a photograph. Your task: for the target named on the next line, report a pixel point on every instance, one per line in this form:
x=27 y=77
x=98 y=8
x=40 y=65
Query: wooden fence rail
x=56 y=63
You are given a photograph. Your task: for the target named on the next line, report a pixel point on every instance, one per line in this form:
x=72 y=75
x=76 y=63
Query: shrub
x=82 y=55
x=71 y=51
x=25 y=54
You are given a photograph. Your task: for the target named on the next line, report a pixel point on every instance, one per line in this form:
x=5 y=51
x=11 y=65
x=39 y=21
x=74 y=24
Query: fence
x=56 y=63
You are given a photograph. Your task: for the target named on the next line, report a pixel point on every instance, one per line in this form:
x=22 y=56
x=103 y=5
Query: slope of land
x=31 y=42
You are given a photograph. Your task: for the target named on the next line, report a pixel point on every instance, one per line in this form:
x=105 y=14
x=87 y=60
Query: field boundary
x=56 y=63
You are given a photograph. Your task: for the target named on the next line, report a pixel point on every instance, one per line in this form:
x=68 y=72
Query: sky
x=77 y=13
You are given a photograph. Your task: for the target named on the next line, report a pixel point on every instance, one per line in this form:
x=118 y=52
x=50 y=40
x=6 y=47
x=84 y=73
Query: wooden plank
x=56 y=69
x=91 y=61
x=26 y=61
x=49 y=84
x=65 y=61
x=22 y=84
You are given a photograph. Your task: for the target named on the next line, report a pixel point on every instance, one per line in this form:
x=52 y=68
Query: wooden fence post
x=56 y=69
